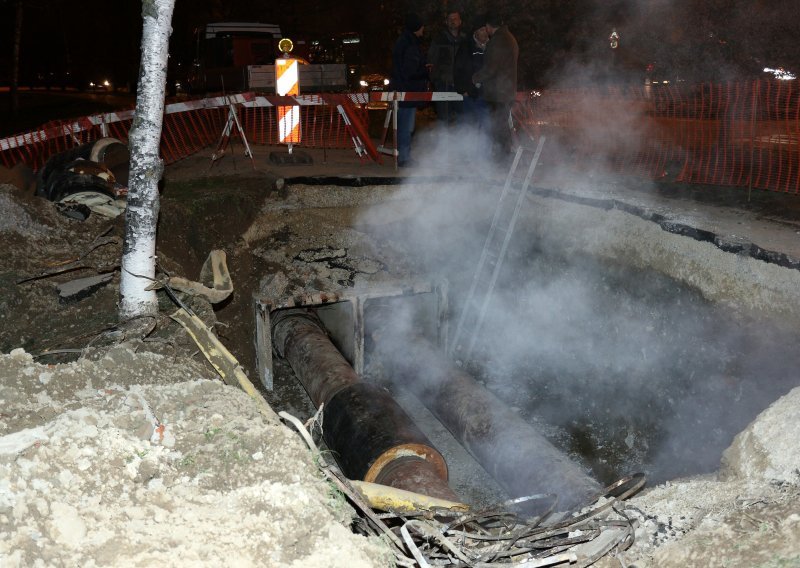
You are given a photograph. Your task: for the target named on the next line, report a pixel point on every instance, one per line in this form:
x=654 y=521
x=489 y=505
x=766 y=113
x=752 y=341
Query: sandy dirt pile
x=137 y=459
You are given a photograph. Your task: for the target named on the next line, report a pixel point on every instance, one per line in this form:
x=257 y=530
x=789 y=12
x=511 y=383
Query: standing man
x=498 y=82
x=443 y=55
x=474 y=107
x=409 y=73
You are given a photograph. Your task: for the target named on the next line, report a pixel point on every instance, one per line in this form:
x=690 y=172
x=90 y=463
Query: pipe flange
x=402 y=451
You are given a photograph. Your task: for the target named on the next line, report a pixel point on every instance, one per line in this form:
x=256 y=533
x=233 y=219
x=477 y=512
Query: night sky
x=706 y=39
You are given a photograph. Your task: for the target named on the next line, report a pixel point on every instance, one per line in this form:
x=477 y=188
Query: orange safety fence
x=184 y=132
x=590 y=128
x=34 y=148
x=735 y=134
x=322 y=126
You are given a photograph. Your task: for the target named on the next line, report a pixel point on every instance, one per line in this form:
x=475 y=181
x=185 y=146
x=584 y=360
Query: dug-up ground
x=123 y=450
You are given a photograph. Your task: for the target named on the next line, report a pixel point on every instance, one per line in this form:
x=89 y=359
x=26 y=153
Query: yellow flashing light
x=286 y=45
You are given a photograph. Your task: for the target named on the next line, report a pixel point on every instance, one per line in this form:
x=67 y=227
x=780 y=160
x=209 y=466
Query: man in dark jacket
x=446 y=48
x=409 y=73
x=498 y=82
x=475 y=110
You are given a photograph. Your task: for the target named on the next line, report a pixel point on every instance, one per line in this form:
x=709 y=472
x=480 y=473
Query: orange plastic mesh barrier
x=322 y=126
x=750 y=138
x=183 y=134
x=34 y=148
x=739 y=134
x=610 y=128
x=186 y=133
x=736 y=134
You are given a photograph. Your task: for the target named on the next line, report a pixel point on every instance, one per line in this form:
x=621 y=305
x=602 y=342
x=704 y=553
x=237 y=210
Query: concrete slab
x=76 y=290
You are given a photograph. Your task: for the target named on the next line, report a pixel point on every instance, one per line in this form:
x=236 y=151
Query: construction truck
x=240 y=56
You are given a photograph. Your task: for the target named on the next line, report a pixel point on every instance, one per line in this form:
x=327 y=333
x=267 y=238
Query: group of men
x=481 y=67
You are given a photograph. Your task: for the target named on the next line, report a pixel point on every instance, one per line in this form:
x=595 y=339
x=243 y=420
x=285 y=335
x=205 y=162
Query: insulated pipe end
x=410 y=472
x=420 y=451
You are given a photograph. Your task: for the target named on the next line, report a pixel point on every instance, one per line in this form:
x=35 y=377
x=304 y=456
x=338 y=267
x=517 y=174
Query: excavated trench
x=643 y=374
x=625 y=346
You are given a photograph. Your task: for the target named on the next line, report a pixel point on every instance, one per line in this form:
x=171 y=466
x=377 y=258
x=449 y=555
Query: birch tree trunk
x=141 y=213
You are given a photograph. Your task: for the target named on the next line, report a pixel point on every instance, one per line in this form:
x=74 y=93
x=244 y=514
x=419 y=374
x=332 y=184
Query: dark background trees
x=560 y=40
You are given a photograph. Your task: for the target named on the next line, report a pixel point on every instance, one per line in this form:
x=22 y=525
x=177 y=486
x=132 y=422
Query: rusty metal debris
x=498 y=535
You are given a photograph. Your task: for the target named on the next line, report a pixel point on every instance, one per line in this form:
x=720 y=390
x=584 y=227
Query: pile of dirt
x=142 y=459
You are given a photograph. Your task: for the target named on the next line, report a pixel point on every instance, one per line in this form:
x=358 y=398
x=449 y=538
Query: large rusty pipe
x=299 y=337
x=521 y=460
x=372 y=437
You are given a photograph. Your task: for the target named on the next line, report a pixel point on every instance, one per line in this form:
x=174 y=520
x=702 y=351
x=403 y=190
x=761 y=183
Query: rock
x=76 y=290
x=66 y=526
x=769 y=448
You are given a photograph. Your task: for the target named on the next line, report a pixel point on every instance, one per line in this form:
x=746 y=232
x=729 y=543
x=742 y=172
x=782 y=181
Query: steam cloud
x=626 y=370
x=629 y=370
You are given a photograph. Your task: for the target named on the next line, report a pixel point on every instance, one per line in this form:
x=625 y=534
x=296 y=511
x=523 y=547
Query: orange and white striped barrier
x=287 y=83
x=248 y=100
x=186 y=129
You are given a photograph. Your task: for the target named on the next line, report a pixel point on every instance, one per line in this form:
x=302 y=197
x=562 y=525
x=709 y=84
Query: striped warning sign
x=286 y=83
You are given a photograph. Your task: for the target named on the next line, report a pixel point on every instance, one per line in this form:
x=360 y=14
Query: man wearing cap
x=409 y=73
x=447 y=47
x=498 y=82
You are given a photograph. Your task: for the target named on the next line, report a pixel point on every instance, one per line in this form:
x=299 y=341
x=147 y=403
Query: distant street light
x=613 y=39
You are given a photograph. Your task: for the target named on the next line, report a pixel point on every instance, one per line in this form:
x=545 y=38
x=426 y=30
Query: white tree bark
x=141 y=214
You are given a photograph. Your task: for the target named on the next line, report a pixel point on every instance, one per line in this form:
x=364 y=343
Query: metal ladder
x=491 y=260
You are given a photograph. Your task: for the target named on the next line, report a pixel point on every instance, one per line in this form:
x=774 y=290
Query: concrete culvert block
x=769 y=448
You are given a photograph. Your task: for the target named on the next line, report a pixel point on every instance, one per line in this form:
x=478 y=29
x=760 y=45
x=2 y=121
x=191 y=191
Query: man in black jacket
x=446 y=47
x=409 y=73
x=475 y=109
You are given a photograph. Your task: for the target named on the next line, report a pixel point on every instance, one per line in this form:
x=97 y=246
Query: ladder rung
x=492 y=252
x=482 y=279
x=501 y=230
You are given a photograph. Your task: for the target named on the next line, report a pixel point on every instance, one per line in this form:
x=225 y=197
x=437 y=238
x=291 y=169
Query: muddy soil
x=117 y=449
x=128 y=450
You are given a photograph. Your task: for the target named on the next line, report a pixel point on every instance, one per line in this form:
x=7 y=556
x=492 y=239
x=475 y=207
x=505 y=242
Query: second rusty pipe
x=508 y=447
